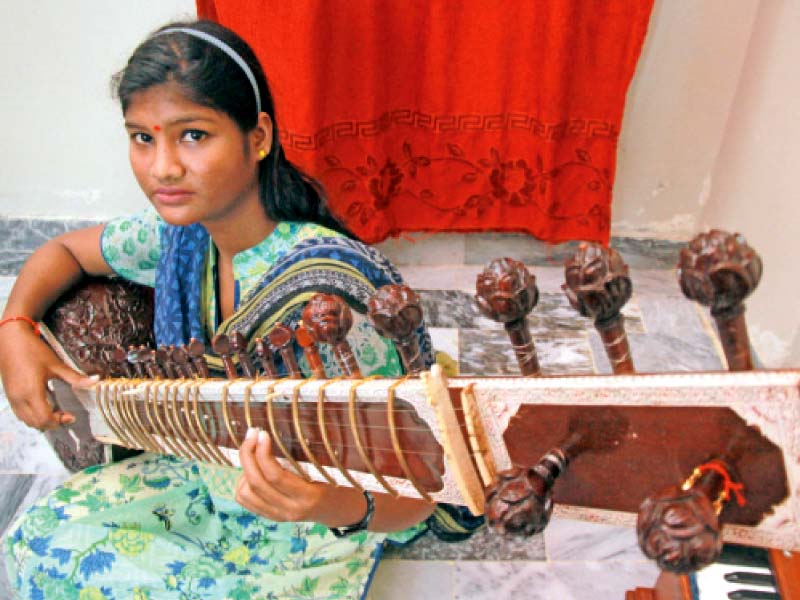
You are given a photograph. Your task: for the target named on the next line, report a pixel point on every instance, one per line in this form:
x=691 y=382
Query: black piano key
x=753 y=595
x=747 y=578
x=744 y=556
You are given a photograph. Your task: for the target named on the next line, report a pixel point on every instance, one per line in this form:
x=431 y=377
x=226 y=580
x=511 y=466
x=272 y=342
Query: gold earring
x=262 y=154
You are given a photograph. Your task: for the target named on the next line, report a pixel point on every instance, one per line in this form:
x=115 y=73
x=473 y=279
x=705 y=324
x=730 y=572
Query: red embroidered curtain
x=473 y=115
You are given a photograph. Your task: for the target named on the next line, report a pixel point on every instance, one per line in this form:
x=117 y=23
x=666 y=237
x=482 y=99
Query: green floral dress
x=159 y=527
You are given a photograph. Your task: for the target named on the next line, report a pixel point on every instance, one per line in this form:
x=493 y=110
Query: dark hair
x=209 y=77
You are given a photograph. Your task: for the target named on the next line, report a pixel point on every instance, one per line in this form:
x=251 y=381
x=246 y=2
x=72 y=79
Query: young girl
x=236 y=240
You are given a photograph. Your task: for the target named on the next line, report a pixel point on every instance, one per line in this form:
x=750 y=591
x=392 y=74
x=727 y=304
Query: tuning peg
x=597 y=286
x=266 y=358
x=309 y=345
x=148 y=357
x=679 y=527
x=281 y=338
x=506 y=293
x=120 y=356
x=221 y=345
x=239 y=346
x=396 y=313
x=329 y=318
x=719 y=270
x=197 y=351
x=164 y=360
x=135 y=361
x=520 y=501
x=183 y=363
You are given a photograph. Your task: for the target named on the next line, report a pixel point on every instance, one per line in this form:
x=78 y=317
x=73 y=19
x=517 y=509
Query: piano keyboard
x=741 y=573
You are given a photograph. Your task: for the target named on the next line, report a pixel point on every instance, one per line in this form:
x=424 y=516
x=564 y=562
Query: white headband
x=226 y=49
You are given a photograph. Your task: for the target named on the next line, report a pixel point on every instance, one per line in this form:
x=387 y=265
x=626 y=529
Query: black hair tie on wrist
x=362 y=524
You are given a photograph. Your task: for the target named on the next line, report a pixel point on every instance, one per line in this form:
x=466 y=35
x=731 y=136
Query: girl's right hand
x=27 y=363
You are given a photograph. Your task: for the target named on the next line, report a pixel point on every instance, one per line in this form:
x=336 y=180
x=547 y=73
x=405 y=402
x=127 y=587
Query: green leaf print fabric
x=158 y=527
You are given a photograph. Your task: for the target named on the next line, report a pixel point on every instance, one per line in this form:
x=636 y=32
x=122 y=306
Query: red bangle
x=28 y=320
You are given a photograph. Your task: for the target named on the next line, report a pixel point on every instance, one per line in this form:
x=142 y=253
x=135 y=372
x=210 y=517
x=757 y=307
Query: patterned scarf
x=333 y=265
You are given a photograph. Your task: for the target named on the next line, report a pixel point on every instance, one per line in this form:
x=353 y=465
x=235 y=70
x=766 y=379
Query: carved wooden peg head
x=120 y=361
x=303 y=336
x=239 y=347
x=597 y=282
x=306 y=341
x=506 y=290
x=395 y=312
x=281 y=338
x=328 y=317
x=196 y=350
x=520 y=502
x=180 y=357
x=266 y=358
x=221 y=344
x=719 y=270
x=679 y=529
x=135 y=359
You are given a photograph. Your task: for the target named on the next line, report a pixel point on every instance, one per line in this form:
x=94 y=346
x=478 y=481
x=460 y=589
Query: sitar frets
x=168 y=416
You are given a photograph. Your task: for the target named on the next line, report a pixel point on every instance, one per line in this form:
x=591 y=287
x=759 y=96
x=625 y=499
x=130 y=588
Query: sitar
x=445 y=440
x=598 y=448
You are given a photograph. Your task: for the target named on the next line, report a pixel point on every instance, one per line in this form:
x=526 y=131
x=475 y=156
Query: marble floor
x=571 y=560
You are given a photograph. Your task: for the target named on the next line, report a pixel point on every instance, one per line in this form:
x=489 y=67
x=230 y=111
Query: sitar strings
x=163 y=431
x=154 y=403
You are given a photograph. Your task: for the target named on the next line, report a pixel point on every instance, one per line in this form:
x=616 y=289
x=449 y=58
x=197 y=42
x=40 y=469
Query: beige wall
x=63 y=148
x=754 y=185
x=676 y=113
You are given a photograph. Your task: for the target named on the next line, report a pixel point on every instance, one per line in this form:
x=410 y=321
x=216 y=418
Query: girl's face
x=192 y=162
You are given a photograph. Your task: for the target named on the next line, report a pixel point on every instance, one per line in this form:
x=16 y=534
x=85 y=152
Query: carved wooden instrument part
x=520 y=501
x=151 y=366
x=329 y=318
x=415 y=447
x=164 y=360
x=182 y=361
x=719 y=270
x=678 y=527
x=239 y=348
x=265 y=357
x=120 y=358
x=597 y=286
x=395 y=312
x=134 y=357
x=221 y=345
x=281 y=338
x=196 y=351
x=506 y=292
x=305 y=339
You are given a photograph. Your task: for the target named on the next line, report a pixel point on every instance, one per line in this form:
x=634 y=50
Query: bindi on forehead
x=156 y=127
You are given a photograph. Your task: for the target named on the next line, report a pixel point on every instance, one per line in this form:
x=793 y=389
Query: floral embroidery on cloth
x=157 y=527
